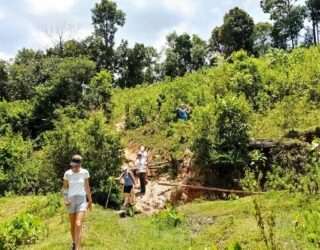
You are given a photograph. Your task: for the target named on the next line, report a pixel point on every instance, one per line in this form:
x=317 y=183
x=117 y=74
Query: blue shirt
x=182 y=114
x=127 y=179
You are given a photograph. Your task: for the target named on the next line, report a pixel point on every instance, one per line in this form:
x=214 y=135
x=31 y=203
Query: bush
x=24 y=229
x=246 y=79
x=46 y=207
x=221 y=139
x=34 y=176
x=295 y=168
x=140 y=113
x=93 y=139
x=99 y=92
x=15 y=116
x=310 y=225
x=169 y=217
x=182 y=91
x=14 y=152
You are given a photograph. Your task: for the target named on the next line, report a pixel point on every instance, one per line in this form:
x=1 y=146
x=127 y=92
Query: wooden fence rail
x=209 y=188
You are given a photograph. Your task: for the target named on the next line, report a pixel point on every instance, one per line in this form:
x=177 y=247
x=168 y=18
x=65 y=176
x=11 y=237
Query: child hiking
x=76 y=191
x=129 y=182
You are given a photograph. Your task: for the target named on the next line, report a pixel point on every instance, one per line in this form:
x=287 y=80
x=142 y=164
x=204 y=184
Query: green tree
x=237 y=31
x=70 y=48
x=106 y=18
x=308 y=38
x=99 y=92
x=313 y=10
x=215 y=42
x=215 y=46
x=135 y=65
x=24 y=75
x=97 y=143
x=95 y=50
x=221 y=138
x=21 y=82
x=288 y=17
x=16 y=116
x=3 y=80
x=178 y=55
x=246 y=79
x=199 y=52
x=65 y=86
x=19 y=172
x=262 y=37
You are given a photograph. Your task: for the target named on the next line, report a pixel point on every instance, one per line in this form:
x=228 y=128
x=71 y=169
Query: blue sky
x=27 y=23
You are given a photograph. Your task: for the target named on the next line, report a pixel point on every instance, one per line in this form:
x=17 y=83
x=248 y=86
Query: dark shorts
x=127 y=189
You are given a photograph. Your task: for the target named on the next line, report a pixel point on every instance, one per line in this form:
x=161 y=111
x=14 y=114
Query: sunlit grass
x=204 y=224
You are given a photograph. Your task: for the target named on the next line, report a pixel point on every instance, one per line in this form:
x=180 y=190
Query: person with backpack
x=129 y=182
x=141 y=165
x=76 y=191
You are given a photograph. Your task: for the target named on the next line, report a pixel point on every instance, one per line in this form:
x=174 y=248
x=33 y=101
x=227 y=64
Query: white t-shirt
x=144 y=154
x=76 y=181
x=141 y=165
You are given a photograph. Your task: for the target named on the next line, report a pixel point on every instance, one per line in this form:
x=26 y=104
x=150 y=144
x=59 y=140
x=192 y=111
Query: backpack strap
x=131 y=176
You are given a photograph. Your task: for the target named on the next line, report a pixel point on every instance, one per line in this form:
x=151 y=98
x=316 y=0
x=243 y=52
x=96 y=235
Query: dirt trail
x=154 y=199
x=156 y=196
x=120 y=125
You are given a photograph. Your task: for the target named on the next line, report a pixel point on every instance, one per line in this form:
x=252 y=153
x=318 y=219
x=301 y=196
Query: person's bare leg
x=72 y=218
x=78 y=229
x=126 y=199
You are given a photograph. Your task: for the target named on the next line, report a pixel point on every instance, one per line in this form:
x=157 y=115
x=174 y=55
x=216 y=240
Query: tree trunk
x=318 y=32
x=314 y=32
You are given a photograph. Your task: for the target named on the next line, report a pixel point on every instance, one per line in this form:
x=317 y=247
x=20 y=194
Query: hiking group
x=77 y=194
x=140 y=170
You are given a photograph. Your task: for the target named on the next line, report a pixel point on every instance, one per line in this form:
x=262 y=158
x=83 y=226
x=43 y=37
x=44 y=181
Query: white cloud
x=40 y=39
x=5 y=56
x=43 y=39
x=46 y=6
x=183 y=7
x=2 y=15
x=142 y=3
x=83 y=33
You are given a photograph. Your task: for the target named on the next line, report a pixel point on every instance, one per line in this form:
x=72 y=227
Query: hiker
x=144 y=153
x=141 y=165
x=129 y=182
x=76 y=191
x=183 y=113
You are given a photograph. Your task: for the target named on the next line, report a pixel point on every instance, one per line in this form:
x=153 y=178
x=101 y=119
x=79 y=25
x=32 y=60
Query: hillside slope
x=204 y=225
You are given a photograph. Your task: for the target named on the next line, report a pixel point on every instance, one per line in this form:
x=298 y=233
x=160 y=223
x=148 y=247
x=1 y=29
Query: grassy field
x=204 y=225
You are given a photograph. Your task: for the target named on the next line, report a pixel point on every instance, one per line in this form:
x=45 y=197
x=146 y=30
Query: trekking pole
x=106 y=206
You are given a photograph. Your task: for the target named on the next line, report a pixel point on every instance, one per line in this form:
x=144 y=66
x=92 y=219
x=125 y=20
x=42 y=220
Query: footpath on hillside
x=156 y=195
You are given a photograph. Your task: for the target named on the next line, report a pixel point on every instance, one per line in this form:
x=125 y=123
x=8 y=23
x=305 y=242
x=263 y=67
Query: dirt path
x=120 y=125
x=154 y=199
x=156 y=196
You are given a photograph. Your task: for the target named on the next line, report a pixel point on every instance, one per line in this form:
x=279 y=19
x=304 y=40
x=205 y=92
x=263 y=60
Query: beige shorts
x=78 y=203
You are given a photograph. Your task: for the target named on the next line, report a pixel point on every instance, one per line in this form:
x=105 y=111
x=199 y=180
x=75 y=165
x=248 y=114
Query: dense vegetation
x=241 y=86
x=242 y=99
